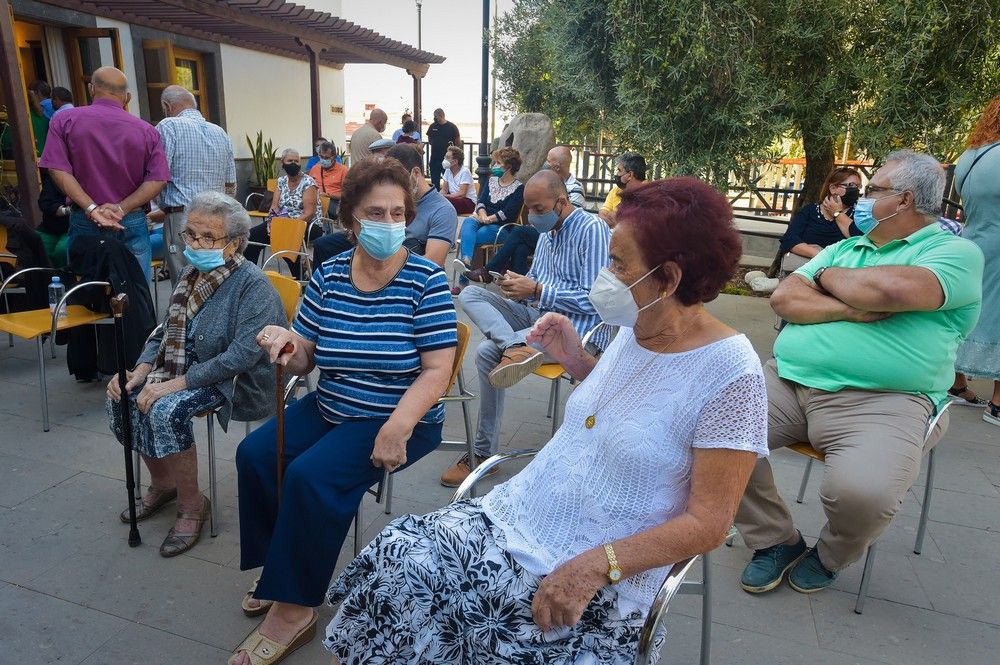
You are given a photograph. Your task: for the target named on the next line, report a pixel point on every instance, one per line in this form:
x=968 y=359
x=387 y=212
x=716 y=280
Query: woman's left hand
x=832 y=204
x=390 y=447
x=154 y=391
x=563 y=595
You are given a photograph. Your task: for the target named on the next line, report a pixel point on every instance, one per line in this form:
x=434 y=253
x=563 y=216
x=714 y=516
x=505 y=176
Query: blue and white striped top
x=368 y=343
x=566 y=264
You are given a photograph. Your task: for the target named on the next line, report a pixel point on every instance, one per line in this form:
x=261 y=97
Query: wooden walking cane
x=280 y=416
x=118 y=305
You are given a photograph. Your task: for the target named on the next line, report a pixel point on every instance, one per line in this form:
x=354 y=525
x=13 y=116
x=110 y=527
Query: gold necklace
x=591 y=420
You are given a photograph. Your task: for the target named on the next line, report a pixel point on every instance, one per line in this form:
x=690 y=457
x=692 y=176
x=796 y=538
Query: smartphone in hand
x=497 y=276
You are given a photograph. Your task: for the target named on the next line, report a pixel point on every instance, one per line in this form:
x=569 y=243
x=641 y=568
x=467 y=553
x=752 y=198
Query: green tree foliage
x=709 y=86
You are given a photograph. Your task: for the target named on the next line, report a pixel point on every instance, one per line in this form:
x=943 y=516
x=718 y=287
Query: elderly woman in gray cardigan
x=187 y=367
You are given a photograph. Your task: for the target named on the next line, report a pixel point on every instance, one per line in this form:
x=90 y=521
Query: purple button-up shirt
x=108 y=150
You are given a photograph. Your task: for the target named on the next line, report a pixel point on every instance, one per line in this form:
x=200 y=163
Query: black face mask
x=618 y=182
x=850 y=197
x=291 y=169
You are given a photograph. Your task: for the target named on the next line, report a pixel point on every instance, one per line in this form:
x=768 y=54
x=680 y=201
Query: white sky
x=451 y=28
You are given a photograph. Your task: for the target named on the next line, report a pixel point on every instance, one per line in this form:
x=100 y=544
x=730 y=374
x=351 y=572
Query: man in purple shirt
x=110 y=163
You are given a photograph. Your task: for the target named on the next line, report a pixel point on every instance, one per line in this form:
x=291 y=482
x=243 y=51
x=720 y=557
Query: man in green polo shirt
x=866 y=359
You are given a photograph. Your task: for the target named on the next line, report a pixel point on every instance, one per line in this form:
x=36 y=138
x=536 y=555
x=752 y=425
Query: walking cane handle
x=287 y=348
x=118 y=304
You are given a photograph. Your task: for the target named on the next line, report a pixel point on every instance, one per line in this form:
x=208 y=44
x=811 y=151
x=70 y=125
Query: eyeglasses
x=202 y=242
x=875 y=189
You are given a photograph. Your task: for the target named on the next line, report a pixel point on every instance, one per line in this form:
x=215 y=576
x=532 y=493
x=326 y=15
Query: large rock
x=533 y=135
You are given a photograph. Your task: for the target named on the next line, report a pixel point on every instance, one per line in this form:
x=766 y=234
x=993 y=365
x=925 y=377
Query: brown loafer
x=481 y=275
x=178 y=543
x=142 y=511
x=457 y=473
x=517 y=362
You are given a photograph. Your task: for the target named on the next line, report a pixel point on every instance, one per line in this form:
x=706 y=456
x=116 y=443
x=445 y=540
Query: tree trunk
x=819 y=162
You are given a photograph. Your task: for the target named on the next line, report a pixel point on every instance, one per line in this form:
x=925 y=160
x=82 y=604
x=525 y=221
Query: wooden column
x=19 y=118
x=417 y=98
x=313 y=50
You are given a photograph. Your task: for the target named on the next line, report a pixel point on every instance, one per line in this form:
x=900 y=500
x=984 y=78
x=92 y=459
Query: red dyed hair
x=686 y=221
x=987 y=129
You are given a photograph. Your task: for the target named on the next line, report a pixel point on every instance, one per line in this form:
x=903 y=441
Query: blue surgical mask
x=545 y=222
x=497 y=171
x=204 y=260
x=325 y=163
x=381 y=239
x=864 y=217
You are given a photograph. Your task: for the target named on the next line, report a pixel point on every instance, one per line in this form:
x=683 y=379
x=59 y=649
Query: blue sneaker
x=810 y=575
x=768 y=566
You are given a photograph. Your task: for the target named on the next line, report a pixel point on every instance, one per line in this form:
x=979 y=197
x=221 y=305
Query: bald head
x=558 y=160
x=378 y=118
x=176 y=98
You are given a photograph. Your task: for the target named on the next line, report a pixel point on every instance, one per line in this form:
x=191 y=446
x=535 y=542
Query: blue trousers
x=135 y=236
x=514 y=252
x=474 y=234
x=327 y=471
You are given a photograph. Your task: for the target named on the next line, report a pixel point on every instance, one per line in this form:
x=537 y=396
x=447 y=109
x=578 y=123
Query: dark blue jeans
x=514 y=253
x=327 y=471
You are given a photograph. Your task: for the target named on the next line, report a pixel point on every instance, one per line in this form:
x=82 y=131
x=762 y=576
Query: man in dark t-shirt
x=440 y=134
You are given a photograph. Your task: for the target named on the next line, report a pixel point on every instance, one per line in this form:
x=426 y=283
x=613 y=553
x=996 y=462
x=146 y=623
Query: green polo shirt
x=910 y=352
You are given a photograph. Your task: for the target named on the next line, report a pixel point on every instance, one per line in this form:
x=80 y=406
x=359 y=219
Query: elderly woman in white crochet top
x=560 y=563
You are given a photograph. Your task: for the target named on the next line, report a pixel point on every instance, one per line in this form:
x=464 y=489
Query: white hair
x=287 y=151
x=235 y=219
x=177 y=95
x=921 y=175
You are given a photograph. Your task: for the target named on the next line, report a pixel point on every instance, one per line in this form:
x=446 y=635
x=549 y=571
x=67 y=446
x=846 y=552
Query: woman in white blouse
x=560 y=563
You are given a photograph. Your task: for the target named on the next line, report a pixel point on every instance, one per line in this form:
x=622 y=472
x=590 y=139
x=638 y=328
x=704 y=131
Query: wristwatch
x=837 y=214
x=91 y=208
x=614 y=570
x=817 y=275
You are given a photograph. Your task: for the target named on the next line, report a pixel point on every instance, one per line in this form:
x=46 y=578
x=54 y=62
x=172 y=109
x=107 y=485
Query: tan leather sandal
x=264 y=651
x=263 y=605
x=142 y=511
x=178 y=543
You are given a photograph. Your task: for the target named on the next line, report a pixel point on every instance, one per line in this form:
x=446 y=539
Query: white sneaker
x=760 y=282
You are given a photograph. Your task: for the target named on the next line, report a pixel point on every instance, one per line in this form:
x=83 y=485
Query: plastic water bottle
x=56 y=292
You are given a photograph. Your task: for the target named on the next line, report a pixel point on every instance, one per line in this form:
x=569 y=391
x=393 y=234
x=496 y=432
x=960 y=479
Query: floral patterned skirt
x=440 y=588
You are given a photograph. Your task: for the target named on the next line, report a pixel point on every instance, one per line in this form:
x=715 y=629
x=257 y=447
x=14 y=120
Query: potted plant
x=264 y=158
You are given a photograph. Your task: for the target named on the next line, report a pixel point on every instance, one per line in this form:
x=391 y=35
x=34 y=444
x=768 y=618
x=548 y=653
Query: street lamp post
x=483 y=160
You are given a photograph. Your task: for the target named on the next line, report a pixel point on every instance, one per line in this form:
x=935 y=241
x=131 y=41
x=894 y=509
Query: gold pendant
x=590 y=422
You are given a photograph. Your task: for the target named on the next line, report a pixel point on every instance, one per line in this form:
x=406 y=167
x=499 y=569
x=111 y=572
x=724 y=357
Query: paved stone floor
x=72 y=591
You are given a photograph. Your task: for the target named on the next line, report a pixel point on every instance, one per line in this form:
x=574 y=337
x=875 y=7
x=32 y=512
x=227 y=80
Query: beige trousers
x=874 y=444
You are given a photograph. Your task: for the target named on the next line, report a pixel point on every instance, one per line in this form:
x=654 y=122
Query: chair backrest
x=288 y=290
x=272 y=184
x=3 y=248
x=287 y=234
x=324 y=202
x=464 y=333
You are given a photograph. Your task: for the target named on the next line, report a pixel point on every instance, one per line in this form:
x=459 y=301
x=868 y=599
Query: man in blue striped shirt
x=571 y=250
x=200 y=156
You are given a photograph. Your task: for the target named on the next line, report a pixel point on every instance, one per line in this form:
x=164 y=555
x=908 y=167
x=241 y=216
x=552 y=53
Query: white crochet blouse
x=632 y=471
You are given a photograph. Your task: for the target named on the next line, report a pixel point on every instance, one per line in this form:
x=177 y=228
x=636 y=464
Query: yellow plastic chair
x=288 y=241
x=804 y=448
x=289 y=290
x=272 y=186
x=36 y=323
x=384 y=487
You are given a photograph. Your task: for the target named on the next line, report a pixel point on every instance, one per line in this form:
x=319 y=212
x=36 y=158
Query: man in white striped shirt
x=200 y=156
x=572 y=248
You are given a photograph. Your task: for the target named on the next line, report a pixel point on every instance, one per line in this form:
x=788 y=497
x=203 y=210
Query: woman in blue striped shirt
x=379 y=324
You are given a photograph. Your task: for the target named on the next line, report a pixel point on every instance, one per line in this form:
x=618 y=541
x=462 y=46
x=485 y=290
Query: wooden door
x=88 y=49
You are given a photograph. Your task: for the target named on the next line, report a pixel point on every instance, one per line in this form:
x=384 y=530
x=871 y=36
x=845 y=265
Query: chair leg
x=213 y=488
x=925 y=509
x=805 y=480
x=388 y=496
x=137 y=463
x=357 y=529
x=246 y=429
x=556 y=407
x=41 y=383
x=552 y=400
x=866 y=578
x=706 y=609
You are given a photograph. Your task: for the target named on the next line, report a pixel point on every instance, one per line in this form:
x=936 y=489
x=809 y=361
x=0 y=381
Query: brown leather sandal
x=264 y=651
x=178 y=543
x=142 y=511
